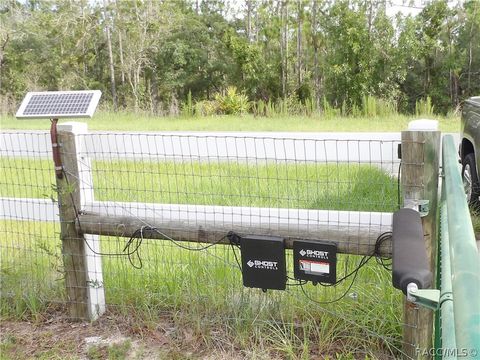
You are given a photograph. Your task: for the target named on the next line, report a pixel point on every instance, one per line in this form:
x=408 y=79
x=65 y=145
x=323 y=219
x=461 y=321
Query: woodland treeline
x=261 y=56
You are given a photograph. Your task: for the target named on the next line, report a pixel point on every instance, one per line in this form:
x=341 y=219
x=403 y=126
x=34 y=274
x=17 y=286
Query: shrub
x=386 y=107
x=369 y=106
x=270 y=109
x=259 y=108
x=310 y=107
x=291 y=105
x=187 y=107
x=344 y=110
x=424 y=107
x=328 y=110
x=373 y=107
x=232 y=102
x=205 y=108
x=356 y=111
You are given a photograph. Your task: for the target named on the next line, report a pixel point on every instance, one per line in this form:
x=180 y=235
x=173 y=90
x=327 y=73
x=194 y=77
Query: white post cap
x=74 y=127
x=423 y=125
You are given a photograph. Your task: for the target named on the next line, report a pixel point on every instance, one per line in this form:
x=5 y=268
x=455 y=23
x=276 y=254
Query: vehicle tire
x=470 y=180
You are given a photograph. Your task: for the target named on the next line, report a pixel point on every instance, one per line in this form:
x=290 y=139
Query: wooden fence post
x=83 y=268
x=420 y=154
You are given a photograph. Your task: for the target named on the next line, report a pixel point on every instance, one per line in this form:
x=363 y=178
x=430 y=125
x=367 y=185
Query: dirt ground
x=111 y=337
x=125 y=336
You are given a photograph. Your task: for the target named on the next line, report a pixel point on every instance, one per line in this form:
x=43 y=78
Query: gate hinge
x=429 y=298
x=422 y=206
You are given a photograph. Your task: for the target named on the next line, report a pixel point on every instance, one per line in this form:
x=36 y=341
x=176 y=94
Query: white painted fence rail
x=280 y=146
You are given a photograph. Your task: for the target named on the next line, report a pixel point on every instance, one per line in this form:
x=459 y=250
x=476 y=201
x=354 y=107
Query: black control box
x=263 y=262
x=315 y=261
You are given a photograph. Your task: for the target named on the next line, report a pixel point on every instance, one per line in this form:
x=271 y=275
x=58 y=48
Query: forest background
x=193 y=57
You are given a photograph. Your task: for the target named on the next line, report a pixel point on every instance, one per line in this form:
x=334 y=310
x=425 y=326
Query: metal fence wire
x=255 y=184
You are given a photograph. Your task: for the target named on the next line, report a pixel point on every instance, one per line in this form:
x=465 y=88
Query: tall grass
x=373 y=107
x=188 y=108
x=231 y=101
x=30 y=268
x=329 y=119
x=424 y=107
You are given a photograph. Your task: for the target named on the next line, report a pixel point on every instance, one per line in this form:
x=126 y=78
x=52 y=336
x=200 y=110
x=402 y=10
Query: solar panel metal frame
x=88 y=111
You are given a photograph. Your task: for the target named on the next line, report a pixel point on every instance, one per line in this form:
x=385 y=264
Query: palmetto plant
x=232 y=102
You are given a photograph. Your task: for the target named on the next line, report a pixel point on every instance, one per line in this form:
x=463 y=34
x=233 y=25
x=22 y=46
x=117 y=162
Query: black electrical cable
x=362 y=263
x=365 y=259
x=330 y=301
x=398 y=184
x=385 y=262
x=191 y=248
x=235 y=255
x=297 y=282
x=129 y=253
x=234 y=240
x=137 y=239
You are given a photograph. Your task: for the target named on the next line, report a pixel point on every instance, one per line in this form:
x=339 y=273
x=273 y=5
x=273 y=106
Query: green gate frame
x=457 y=330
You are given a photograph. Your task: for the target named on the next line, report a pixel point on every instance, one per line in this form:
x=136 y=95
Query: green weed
x=119 y=351
x=8 y=343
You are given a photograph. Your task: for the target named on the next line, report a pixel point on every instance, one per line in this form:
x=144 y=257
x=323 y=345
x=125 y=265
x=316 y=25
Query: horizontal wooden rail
x=358 y=239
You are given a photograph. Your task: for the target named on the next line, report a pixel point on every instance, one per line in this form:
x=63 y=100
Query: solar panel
x=59 y=104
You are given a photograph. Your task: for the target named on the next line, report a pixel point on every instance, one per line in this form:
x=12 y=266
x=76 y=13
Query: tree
x=148 y=55
x=349 y=61
x=468 y=48
x=110 y=55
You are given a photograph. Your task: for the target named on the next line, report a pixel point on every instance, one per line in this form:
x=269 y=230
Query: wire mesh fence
x=304 y=187
x=31 y=263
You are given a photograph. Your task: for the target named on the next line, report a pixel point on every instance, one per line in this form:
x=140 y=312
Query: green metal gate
x=457 y=332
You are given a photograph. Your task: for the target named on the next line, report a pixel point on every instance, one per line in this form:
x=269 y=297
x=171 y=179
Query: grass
x=8 y=344
x=475 y=216
x=203 y=290
x=137 y=122
x=280 y=185
x=111 y=352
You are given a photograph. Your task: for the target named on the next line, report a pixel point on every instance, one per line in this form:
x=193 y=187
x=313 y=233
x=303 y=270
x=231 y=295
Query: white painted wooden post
x=88 y=266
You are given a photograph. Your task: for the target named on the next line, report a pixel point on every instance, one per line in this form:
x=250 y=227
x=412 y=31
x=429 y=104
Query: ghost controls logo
x=314 y=254
x=263 y=264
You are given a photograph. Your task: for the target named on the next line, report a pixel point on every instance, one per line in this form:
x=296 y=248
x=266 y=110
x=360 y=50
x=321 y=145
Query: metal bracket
x=57 y=160
x=429 y=298
x=422 y=206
